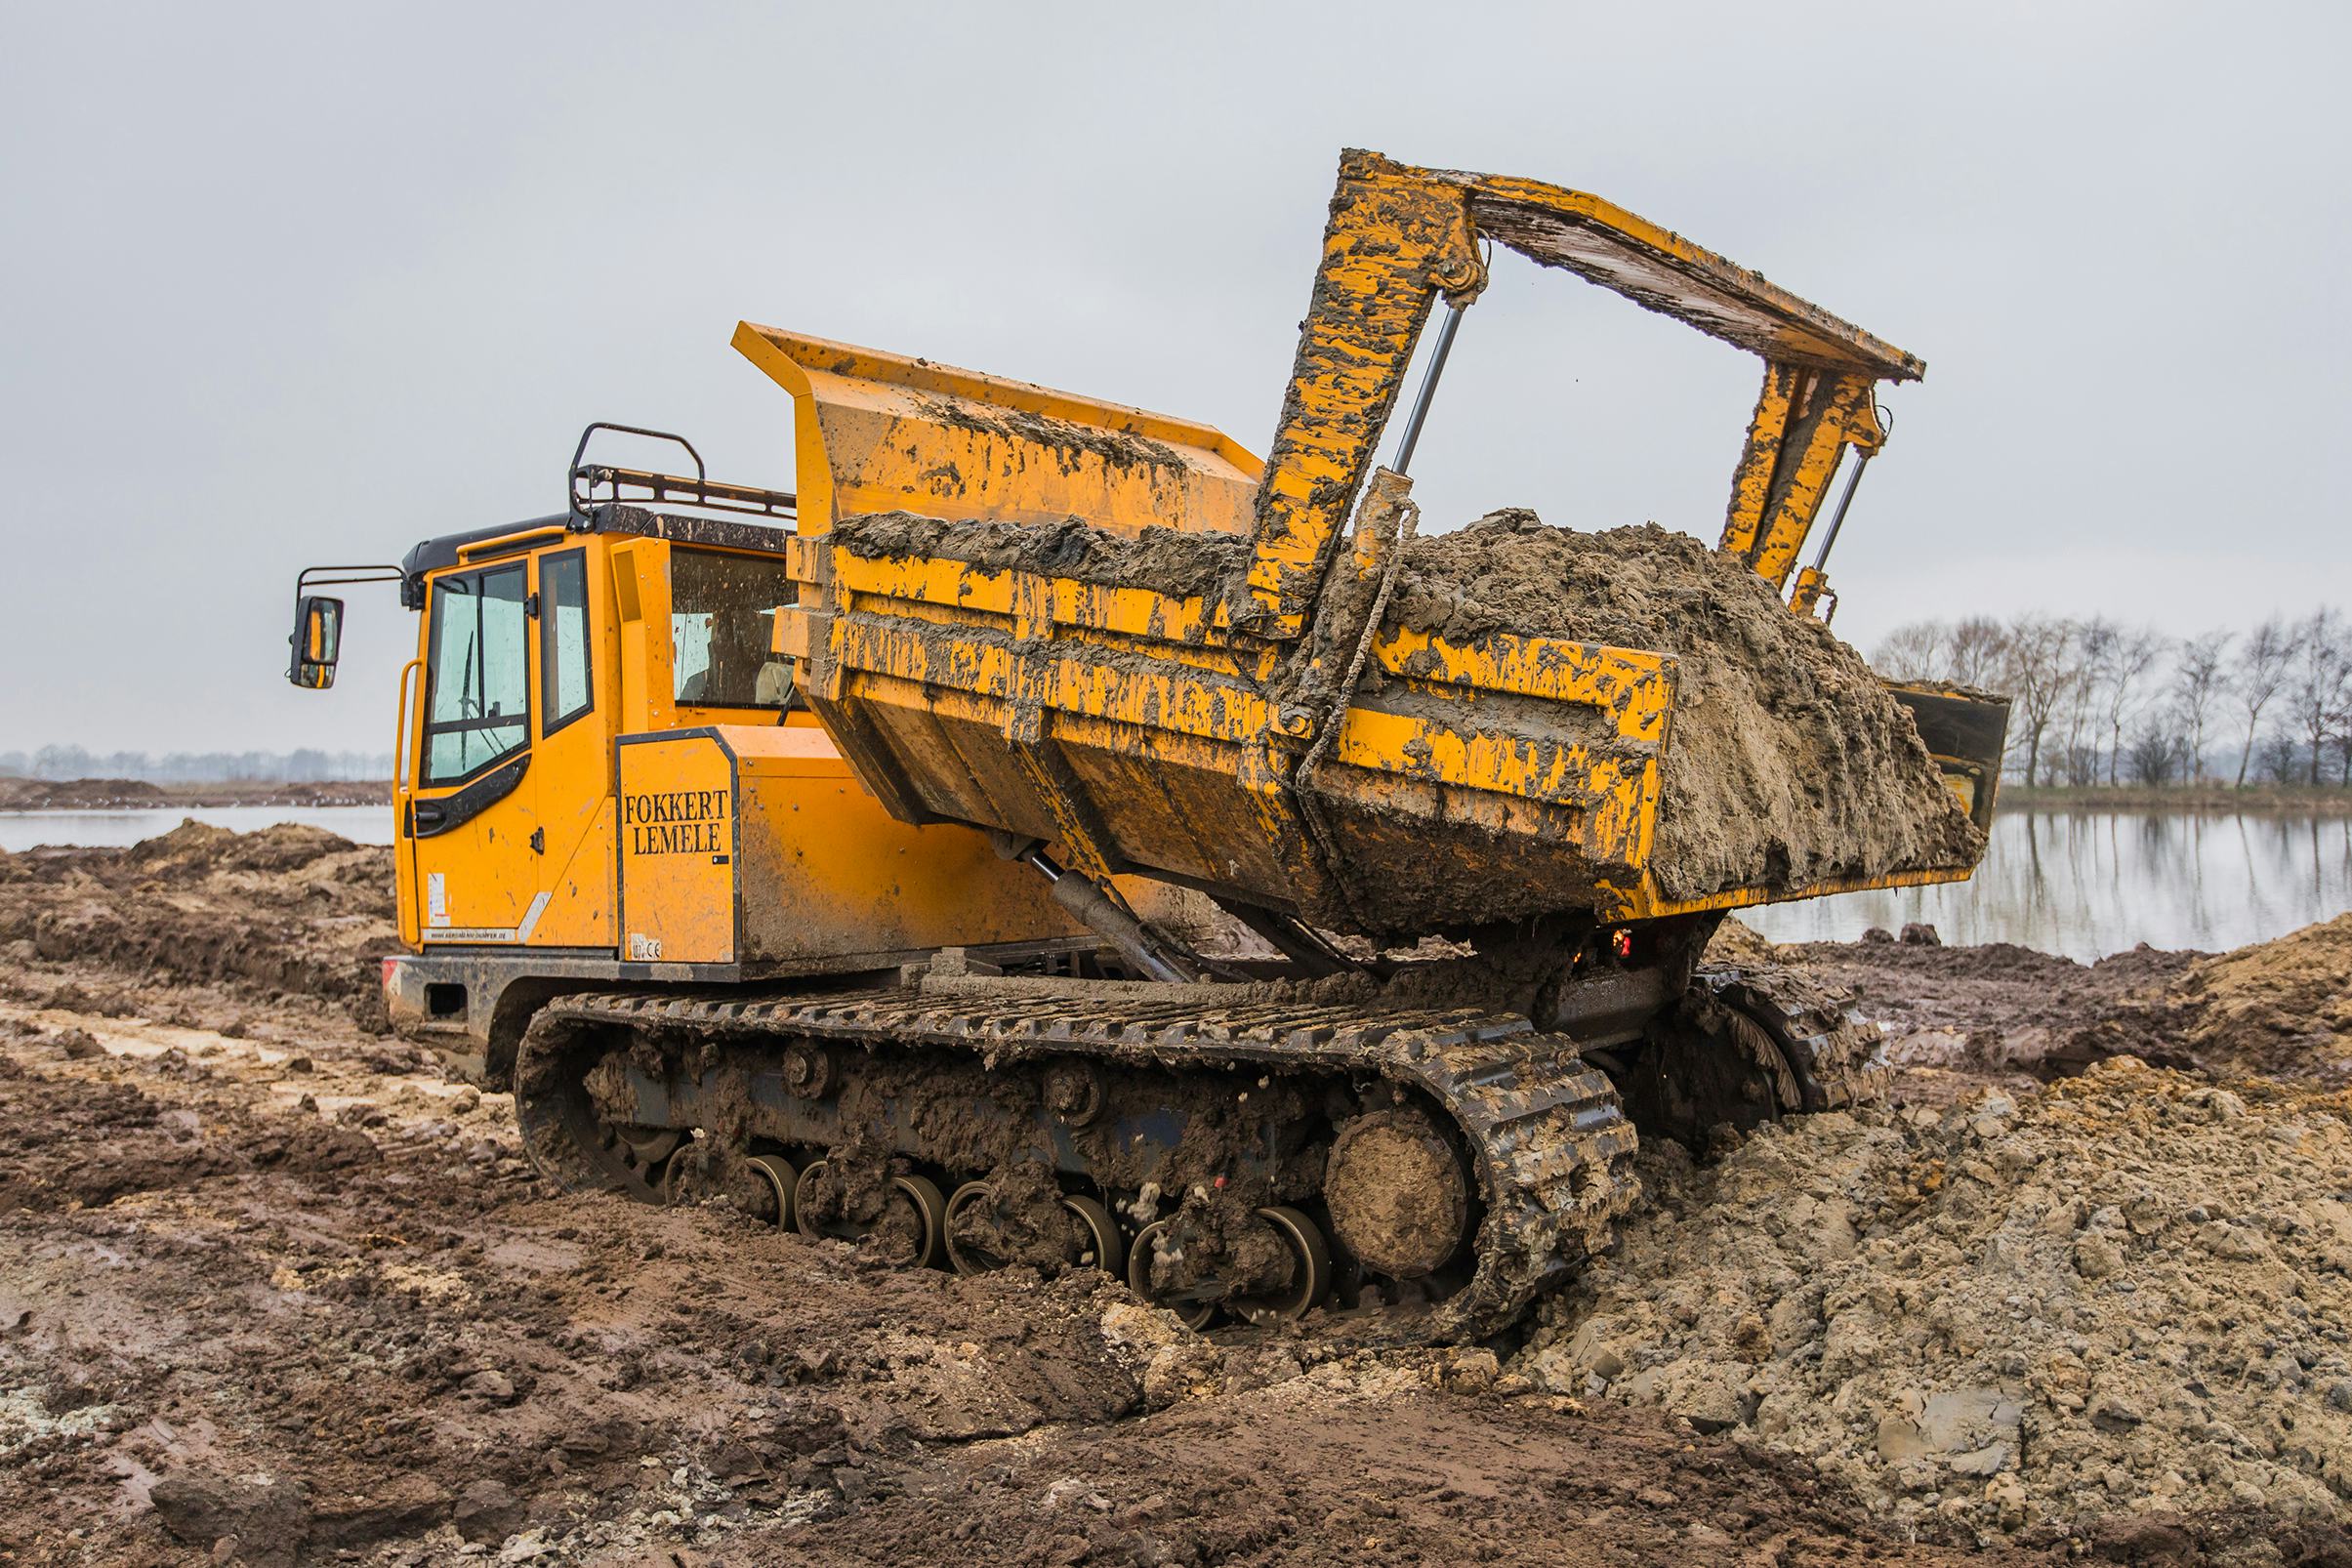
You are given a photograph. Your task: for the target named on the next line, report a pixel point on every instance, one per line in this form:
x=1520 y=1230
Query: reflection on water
x=2087 y=883
x=21 y=829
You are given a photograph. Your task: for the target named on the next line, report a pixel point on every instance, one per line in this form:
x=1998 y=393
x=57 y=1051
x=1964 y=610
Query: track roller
x=1310 y=1271
x=1093 y=1238
x=911 y=1225
x=1195 y=1298
x=1193 y=1308
x=777 y=1174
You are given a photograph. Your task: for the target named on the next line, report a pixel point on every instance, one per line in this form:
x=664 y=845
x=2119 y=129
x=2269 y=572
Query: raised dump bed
x=1087 y=625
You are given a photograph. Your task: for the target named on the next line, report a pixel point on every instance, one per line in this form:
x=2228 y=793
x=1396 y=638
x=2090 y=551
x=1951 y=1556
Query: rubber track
x=1553 y=1153
x=1832 y=1056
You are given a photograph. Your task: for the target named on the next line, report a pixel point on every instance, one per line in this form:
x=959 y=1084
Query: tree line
x=2096 y=702
x=305 y=766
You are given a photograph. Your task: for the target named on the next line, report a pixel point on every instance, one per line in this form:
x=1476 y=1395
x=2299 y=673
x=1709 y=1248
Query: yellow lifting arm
x=1399 y=236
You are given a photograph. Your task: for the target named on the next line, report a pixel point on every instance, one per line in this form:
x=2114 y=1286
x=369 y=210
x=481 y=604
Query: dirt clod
x=268 y=1521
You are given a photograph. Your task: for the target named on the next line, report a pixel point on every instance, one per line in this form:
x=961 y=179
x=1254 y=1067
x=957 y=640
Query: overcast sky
x=306 y=283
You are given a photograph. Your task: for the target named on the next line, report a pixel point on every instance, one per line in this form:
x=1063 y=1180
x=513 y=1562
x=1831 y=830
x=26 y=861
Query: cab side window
x=564 y=689
x=478 y=703
x=723 y=610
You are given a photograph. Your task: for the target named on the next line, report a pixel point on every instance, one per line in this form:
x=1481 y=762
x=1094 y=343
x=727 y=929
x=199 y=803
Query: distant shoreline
x=2325 y=800
x=136 y=795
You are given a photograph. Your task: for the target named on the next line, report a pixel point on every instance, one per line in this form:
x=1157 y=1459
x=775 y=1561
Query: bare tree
x=2261 y=670
x=2130 y=653
x=2095 y=646
x=2321 y=684
x=2198 y=680
x=1974 y=651
x=2281 y=758
x=2038 y=669
x=1912 y=652
x=2160 y=750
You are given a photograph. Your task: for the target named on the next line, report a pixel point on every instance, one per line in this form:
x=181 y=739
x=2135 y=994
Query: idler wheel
x=913 y=1220
x=571 y=1107
x=1095 y=1239
x=1399 y=1195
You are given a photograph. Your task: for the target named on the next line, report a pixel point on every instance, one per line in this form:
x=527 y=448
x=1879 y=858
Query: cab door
x=572 y=781
x=471 y=815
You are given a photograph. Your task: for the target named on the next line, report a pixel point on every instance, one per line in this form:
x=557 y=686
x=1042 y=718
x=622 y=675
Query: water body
x=2088 y=884
x=2083 y=884
x=23 y=829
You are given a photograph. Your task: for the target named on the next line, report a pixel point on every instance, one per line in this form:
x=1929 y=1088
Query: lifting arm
x=1399 y=236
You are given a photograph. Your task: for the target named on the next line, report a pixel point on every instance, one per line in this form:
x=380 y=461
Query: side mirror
x=317 y=639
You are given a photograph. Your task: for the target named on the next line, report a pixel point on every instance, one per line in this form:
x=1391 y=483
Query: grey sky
x=296 y=284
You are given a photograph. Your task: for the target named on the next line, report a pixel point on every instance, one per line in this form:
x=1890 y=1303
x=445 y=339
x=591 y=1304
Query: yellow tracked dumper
x=1036 y=840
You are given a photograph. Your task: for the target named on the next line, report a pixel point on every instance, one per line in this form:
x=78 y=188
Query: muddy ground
x=270 y=1290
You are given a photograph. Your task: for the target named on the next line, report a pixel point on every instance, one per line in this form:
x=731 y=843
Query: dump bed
x=1086 y=625
x=998 y=673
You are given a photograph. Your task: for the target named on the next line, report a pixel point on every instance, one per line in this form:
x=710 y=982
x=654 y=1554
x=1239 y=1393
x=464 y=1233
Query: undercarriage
x=1237 y=1153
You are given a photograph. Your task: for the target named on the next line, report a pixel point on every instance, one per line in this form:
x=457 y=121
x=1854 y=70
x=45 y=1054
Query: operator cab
x=606 y=773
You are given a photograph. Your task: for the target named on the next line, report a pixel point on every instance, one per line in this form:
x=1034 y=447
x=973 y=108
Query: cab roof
x=610 y=517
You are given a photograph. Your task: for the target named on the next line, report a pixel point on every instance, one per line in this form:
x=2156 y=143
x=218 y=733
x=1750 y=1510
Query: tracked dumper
x=1080 y=851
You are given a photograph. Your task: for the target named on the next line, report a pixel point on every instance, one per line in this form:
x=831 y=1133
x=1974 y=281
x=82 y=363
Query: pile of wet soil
x=2281 y=1009
x=286 y=911
x=1955 y=1018
x=2132 y=1291
x=1788 y=763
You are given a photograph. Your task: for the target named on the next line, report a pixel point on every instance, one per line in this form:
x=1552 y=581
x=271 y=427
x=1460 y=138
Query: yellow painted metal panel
x=826 y=871
x=678 y=851
x=1636 y=687
x=1805 y=474
x=893 y=433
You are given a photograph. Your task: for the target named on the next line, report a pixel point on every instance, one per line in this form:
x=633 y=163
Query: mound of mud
x=79 y=794
x=2281 y=1009
x=1788 y=764
x=286 y=910
x=2130 y=1292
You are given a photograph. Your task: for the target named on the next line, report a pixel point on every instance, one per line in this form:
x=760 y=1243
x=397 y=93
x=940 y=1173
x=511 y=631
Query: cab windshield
x=478 y=691
x=722 y=619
